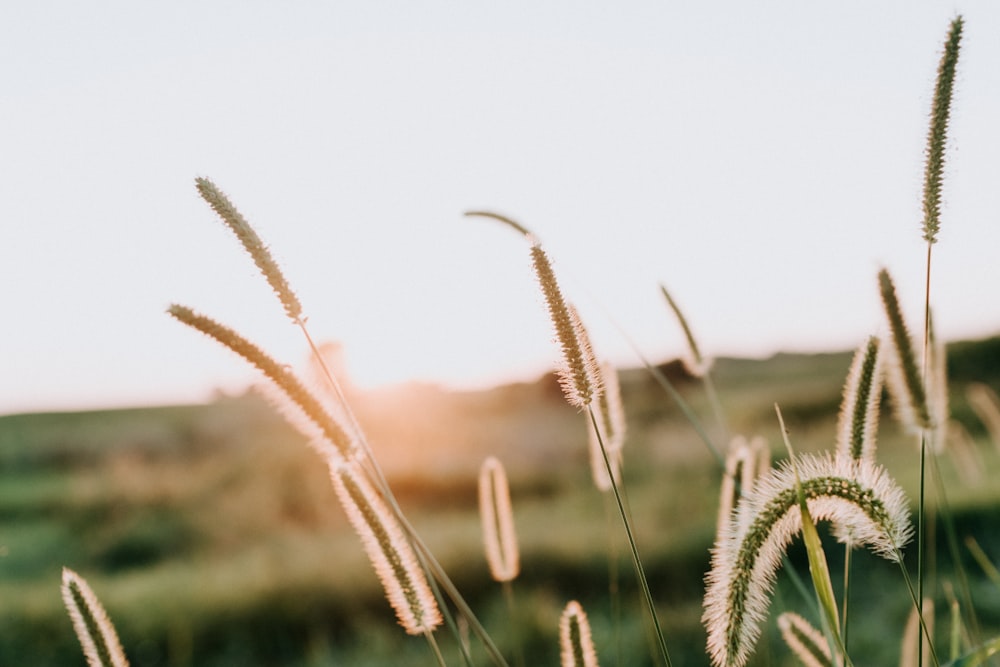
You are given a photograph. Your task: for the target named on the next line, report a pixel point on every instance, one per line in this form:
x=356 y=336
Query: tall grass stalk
x=933 y=174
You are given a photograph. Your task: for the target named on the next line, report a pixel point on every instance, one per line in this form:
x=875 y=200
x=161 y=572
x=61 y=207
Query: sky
x=760 y=160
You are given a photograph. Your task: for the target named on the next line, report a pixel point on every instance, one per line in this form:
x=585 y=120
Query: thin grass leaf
x=977 y=656
x=818 y=568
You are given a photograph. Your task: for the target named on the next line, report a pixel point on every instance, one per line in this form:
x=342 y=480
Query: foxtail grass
x=906 y=386
x=937 y=135
x=575 y=641
x=806 y=642
x=857 y=426
x=389 y=550
x=578 y=372
x=745 y=462
x=97 y=635
x=326 y=434
x=580 y=378
x=348 y=444
x=859 y=494
x=497 y=516
x=253 y=244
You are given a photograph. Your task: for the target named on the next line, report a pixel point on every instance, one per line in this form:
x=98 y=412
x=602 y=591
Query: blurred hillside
x=212 y=534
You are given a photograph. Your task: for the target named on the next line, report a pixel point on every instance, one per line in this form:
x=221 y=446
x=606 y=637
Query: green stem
x=435 y=649
x=847 y=591
x=916 y=605
x=636 y=561
x=508 y=594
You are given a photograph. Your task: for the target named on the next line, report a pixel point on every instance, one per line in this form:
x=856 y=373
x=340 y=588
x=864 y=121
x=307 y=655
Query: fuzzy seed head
x=497 y=517
x=93 y=627
x=252 y=244
x=859 y=410
x=325 y=433
x=575 y=641
x=745 y=559
x=937 y=135
x=806 y=642
x=389 y=551
x=578 y=373
x=902 y=374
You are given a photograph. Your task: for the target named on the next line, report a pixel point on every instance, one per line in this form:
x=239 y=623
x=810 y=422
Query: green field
x=213 y=537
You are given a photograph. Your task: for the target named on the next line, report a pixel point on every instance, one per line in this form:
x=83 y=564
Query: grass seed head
x=254 y=246
x=902 y=375
x=937 y=135
x=858 y=421
x=303 y=402
x=575 y=641
x=746 y=557
x=93 y=627
x=388 y=549
x=578 y=374
x=497 y=515
x=807 y=643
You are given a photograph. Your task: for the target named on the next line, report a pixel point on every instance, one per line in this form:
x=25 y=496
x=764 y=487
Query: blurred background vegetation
x=212 y=535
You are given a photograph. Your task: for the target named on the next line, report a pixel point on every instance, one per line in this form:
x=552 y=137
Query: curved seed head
x=745 y=559
x=388 y=549
x=497 y=516
x=93 y=627
x=575 y=641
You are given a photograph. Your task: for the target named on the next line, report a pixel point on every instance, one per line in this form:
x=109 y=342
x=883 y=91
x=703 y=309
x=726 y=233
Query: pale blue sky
x=762 y=160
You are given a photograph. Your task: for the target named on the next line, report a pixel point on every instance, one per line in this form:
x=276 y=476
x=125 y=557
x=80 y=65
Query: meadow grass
x=166 y=521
